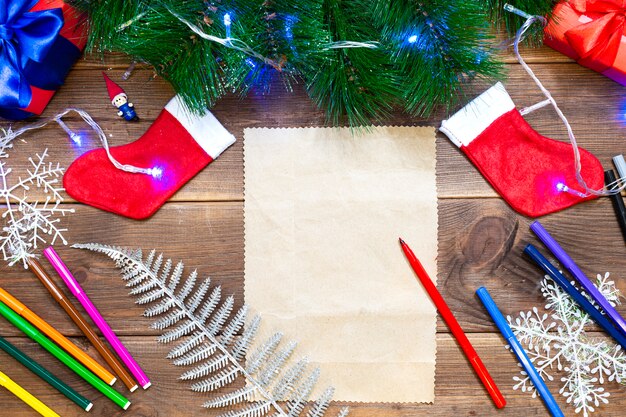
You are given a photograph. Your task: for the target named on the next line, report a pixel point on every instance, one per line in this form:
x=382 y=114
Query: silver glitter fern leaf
x=213 y=342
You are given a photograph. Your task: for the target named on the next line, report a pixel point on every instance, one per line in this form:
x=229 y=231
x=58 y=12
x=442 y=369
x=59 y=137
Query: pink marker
x=95 y=315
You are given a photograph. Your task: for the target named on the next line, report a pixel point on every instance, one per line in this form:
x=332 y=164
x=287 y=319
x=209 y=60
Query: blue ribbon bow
x=24 y=36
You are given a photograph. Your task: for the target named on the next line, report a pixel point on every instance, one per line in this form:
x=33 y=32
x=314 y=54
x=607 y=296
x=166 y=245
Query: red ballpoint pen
x=454 y=327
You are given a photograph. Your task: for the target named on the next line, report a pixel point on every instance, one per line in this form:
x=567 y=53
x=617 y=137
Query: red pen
x=454 y=327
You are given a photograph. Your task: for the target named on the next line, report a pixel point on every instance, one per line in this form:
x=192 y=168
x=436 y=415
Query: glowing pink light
x=156 y=172
x=564 y=188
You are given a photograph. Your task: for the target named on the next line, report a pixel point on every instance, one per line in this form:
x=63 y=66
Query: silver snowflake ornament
x=29 y=224
x=557 y=342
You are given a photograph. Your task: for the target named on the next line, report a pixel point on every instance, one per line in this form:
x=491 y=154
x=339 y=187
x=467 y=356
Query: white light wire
x=10 y=135
x=240 y=45
x=352 y=44
x=229 y=42
x=519 y=36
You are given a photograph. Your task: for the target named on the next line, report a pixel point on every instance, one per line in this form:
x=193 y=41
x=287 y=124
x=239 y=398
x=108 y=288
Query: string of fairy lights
x=230 y=42
x=241 y=46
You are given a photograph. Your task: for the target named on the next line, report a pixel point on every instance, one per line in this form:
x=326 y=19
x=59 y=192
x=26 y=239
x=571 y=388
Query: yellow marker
x=26 y=396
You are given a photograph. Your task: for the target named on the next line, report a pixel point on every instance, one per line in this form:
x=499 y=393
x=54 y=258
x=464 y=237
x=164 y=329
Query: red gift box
x=40 y=77
x=592 y=33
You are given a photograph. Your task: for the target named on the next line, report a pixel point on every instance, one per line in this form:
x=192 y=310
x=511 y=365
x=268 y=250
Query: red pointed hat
x=112 y=87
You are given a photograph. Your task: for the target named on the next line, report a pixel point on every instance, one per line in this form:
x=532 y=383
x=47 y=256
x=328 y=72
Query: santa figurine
x=120 y=100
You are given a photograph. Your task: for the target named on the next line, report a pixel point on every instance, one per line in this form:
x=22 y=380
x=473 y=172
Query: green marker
x=44 y=374
x=61 y=355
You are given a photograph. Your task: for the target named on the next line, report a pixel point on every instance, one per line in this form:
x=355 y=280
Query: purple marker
x=95 y=315
x=580 y=276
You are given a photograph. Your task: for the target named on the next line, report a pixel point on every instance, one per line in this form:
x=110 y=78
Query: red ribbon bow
x=597 y=42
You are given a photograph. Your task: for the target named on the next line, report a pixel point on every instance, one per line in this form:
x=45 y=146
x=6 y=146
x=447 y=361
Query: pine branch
x=437 y=47
x=355 y=84
x=512 y=22
x=149 y=33
x=285 y=33
x=215 y=361
x=353 y=55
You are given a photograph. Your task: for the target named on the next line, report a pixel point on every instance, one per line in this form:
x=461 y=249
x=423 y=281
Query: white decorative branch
x=204 y=327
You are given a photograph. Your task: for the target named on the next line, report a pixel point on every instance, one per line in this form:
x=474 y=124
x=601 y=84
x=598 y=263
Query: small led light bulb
x=412 y=39
x=227 y=23
x=156 y=172
x=76 y=138
x=512 y=9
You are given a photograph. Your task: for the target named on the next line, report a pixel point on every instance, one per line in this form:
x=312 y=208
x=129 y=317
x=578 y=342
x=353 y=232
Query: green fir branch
x=148 y=32
x=354 y=84
x=437 y=47
x=185 y=41
x=512 y=22
x=284 y=32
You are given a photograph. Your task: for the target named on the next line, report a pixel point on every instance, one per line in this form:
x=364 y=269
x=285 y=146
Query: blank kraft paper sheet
x=323 y=213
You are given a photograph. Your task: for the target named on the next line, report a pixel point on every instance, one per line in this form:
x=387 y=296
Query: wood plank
x=480 y=243
x=593 y=103
x=215 y=248
x=543 y=54
x=480 y=237
x=458 y=391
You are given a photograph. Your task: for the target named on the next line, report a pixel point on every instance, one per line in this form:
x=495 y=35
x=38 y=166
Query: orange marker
x=19 y=308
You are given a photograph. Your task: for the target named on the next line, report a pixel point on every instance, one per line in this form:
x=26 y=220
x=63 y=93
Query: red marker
x=454 y=327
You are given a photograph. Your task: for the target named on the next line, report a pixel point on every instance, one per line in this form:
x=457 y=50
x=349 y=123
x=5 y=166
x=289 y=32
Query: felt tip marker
x=28 y=398
x=30 y=331
x=90 y=308
x=454 y=326
x=508 y=335
x=56 y=336
x=618 y=202
x=569 y=264
x=580 y=299
x=46 y=375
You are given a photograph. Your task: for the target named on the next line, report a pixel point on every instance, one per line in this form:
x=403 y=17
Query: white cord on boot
x=12 y=134
x=519 y=36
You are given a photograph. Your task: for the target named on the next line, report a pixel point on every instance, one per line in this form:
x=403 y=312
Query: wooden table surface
x=480 y=238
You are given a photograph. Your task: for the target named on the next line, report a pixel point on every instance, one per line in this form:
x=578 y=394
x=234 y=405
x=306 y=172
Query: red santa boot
x=530 y=171
x=175 y=148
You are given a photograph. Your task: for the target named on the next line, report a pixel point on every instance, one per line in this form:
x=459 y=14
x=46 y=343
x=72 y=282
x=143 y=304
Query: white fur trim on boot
x=206 y=130
x=469 y=122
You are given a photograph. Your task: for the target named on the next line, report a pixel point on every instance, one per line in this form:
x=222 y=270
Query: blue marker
x=580 y=299
x=506 y=331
